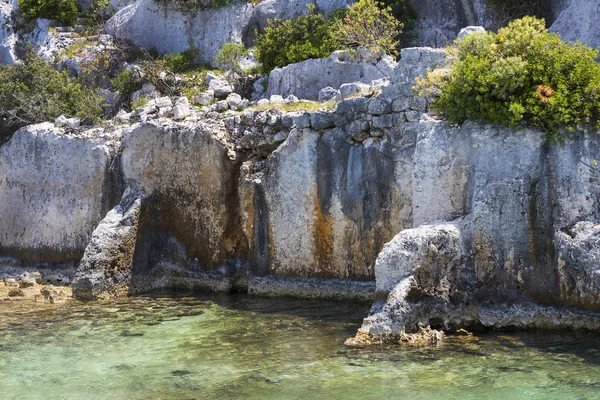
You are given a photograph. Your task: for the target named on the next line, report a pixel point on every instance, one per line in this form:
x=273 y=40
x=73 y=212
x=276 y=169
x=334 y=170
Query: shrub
x=522 y=74
x=230 y=55
x=295 y=40
x=181 y=62
x=61 y=10
x=139 y=103
x=124 y=83
x=405 y=14
x=33 y=91
x=369 y=25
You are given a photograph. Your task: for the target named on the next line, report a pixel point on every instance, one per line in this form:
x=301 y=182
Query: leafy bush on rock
x=33 y=91
x=291 y=41
x=61 y=10
x=229 y=57
x=370 y=25
x=521 y=75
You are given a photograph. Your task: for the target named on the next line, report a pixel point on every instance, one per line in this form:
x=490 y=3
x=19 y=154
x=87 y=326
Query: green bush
x=33 y=91
x=124 y=83
x=229 y=57
x=368 y=24
x=521 y=75
x=295 y=40
x=181 y=62
x=61 y=10
x=405 y=14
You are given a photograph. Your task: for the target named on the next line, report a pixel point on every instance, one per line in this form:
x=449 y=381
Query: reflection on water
x=240 y=347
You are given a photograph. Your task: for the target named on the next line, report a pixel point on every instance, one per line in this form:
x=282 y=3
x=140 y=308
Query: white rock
x=353 y=89
x=123 y=116
x=222 y=106
x=262 y=102
x=210 y=76
x=161 y=102
x=220 y=87
x=65 y=122
x=307 y=78
x=276 y=99
x=234 y=100
x=151 y=25
x=181 y=110
x=291 y=99
x=205 y=98
x=469 y=30
x=8 y=37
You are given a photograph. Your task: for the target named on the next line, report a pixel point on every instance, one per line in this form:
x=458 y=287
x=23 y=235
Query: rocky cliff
x=453 y=226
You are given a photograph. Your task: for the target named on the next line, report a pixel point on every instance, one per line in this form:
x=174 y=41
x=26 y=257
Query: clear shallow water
x=240 y=347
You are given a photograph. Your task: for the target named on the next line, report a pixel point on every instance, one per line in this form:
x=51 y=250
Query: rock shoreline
x=447 y=226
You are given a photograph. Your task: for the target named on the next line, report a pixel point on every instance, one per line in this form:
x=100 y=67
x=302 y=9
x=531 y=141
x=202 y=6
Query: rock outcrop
x=54 y=190
x=8 y=36
x=439 y=22
x=485 y=225
x=305 y=79
x=105 y=269
x=171 y=30
x=578 y=20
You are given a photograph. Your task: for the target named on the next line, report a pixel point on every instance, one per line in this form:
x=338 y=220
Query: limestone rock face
x=189 y=212
x=54 y=189
x=579 y=264
x=326 y=207
x=439 y=22
x=171 y=30
x=8 y=36
x=105 y=269
x=307 y=78
x=526 y=245
x=578 y=20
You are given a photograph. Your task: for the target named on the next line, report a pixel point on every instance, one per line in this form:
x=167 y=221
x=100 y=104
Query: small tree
x=296 y=40
x=369 y=25
x=61 y=10
x=230 y=55
x=33 y=91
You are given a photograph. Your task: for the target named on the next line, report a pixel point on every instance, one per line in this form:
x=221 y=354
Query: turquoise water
x=240 y=347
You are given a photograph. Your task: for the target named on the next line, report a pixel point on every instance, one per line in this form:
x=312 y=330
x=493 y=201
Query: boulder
x=106 y=267
x=431 y=254
x=354 y=89
x=329 y=93
x=182 y=109
x=306 y=79
x=220 y=87
x=234 y=100
x=205 y=98
x=187 y=228
x=469 y=30
x=170 y=29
